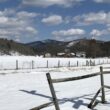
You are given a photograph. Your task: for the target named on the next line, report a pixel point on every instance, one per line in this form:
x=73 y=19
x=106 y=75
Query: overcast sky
x=32 y=20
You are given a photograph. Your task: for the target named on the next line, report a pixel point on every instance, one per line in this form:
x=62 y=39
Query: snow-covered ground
x=25 y=89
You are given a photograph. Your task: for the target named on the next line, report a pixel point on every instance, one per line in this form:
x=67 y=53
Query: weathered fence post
x=32 y=64
x=87 y=63
x=16 y=64
x=77 y=63
x=102 y=84
x=55 y=101
x=47 y=64
x=94 y=63
x=69 y=64
x=90 y=62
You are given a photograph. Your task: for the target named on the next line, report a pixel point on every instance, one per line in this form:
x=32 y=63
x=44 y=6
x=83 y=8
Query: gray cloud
x=47 y=3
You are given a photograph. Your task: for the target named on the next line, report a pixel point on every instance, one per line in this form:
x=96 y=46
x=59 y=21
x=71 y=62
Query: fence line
x=49 y=64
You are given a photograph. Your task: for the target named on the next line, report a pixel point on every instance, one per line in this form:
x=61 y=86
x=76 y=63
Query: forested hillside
x=9 y=47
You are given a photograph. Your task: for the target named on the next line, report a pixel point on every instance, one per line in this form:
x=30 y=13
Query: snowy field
x=28 y=88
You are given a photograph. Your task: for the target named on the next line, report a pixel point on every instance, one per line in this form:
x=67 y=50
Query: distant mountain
x=10 y=47
x=92 y=48
x=44 y=43
x=48 y=46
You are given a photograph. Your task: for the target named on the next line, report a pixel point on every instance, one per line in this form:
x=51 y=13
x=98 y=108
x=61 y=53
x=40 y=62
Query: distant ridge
x=92 y=47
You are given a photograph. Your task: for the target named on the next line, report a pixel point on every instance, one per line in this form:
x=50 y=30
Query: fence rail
x=42 y=106
x=74 y=78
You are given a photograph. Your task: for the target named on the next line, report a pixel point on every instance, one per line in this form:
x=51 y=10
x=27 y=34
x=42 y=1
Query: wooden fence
x=47 y=64
x=92 y=103
x=101 y=73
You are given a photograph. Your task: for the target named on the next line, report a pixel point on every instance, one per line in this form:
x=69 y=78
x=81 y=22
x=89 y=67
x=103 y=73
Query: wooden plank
x=75 y=78
x=42 y=106
x=94 y=98
x=106 y=67
x=106 y=72
x=102 y=84
x=108 y=87
x=55 y=101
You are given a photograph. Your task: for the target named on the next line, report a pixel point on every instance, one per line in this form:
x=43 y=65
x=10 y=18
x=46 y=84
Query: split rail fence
x=93 y=101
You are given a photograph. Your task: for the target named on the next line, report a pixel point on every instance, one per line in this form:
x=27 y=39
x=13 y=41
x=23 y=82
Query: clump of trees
x=98 y=49
x=94 y=49
x=6 y=46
